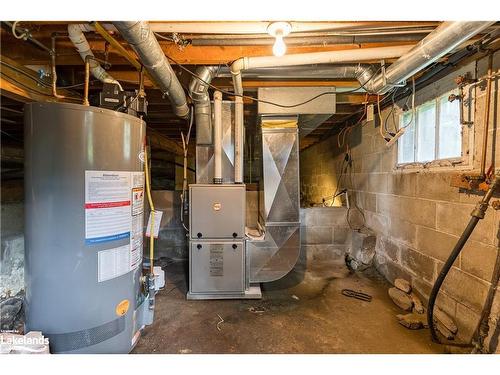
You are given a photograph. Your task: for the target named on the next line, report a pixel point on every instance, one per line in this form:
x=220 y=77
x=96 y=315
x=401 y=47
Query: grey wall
x=416 y=214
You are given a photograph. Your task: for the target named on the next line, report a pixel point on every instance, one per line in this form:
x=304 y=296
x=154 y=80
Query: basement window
x=433 y=133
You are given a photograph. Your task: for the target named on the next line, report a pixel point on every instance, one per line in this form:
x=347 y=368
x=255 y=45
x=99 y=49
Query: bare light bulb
x=279 y=47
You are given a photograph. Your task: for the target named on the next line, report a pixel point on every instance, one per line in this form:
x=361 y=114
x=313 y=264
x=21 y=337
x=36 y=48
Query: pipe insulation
x=441 y=41
x=76 y=36
x=142 y=39
x=217 y=137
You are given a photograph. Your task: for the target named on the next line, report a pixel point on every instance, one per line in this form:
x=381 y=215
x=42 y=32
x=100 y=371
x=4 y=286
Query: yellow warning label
x=122 y=307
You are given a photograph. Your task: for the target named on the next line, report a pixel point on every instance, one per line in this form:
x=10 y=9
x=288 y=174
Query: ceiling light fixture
x=279 y=30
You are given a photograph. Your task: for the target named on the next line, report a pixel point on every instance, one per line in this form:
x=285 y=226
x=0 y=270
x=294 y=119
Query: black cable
x=266 y=101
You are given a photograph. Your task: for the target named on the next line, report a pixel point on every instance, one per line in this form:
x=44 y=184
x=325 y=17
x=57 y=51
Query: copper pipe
x=486 y=116
x=87 y=79
x=53 y=67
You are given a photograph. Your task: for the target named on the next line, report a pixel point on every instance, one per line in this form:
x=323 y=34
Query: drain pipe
x=217 y=137
x=76 y=36
x=140 y=36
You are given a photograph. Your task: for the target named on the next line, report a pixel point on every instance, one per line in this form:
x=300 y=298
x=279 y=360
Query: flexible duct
x=217 y=137
x=441 y=41
x=76 y=36
x=198 y=90
x=140 y=36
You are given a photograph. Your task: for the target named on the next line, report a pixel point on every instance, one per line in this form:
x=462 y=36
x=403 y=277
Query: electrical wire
x=153 y=212
x=362 y=86
x=14 y=26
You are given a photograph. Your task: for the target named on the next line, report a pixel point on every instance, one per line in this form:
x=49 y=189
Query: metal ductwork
x=76 y=36
x=441 y=41
x=142 y=39
x=198 y=90
x=275 y=255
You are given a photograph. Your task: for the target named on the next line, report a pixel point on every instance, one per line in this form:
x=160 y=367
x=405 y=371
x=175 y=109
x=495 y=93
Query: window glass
x=406 y=144
x=450 y=132
x=426 y=131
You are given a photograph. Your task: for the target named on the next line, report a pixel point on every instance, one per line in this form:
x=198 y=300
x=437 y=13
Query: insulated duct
x=441 y=41
x=76 y=36
x=140 y=36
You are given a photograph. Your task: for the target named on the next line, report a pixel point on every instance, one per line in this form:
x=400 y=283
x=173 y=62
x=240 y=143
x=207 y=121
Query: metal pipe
x=53 y=67
x=441 y=41
x=76 y=36
x=140 y=36
x=198 y=91
x=487 y=106
x=238 y=139
x=217 y=137
x=310 y=40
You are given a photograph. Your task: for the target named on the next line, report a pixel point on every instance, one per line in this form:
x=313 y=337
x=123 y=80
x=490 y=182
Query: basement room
x=297 y=179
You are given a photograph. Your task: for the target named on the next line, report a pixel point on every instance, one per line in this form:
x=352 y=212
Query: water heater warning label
x=107 y=206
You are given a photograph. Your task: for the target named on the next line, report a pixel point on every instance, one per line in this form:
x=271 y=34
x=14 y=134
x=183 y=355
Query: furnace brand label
x=107 y=206
x=216 y=260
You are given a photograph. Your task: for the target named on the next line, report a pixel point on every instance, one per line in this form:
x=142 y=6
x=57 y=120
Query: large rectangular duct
x=275 y=255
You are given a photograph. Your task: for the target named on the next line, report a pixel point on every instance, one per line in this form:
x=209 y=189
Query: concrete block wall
x=325 y=235
x=416 y=215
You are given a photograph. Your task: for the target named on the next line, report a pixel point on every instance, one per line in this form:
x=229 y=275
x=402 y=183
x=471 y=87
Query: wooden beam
x=158 y=140
x=22 y=84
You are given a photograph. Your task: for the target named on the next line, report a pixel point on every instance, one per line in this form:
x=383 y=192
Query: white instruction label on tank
x=113 y=262
x=137 y=219
x=107 y=206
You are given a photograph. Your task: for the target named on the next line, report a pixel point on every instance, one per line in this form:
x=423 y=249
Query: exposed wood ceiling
x=160 y=116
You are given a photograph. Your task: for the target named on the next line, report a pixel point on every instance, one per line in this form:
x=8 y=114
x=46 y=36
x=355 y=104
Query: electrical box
x=217 y=267
x=217 y=211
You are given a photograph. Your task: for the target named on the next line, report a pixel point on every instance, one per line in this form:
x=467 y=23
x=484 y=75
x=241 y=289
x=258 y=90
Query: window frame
x=464 y=161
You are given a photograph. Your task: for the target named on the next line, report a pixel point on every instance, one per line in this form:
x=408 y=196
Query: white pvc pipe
x=238 y=139
x=76 y=36
x=217 y=137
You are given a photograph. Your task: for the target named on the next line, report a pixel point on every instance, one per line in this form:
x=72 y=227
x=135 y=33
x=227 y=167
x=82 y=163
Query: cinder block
x=341 y=235
x=479 y=259
x=466 y=289
x=376 y=222
x=377 y=182
x=453 y=218
x=316 y=235
x=436 y=186
x=366 y=201
x=371 y=162
x=422 y=287
x=389 y=205
x=324 y=252
x=435 y=244
x=418 y=263
x=403 y=231
x=447 y=304
x=467 y=321
x=390 y=270
x=329 y=216
x=402 y=184
x=419 y=211
x=389 y=248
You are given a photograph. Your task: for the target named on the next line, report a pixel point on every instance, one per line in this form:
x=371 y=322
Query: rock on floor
x=401 y=299
x=413 y=321
x=418 y=306
x=403 y=285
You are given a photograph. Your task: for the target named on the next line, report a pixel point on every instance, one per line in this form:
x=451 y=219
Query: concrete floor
x=303 y=313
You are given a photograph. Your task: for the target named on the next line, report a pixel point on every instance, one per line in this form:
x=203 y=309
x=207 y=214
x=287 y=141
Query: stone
x=9 y=311
x=401 y=299
x=418 y=306
x=441 y=317
x=413 y=321
x=448 y=335
x=403 y=285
